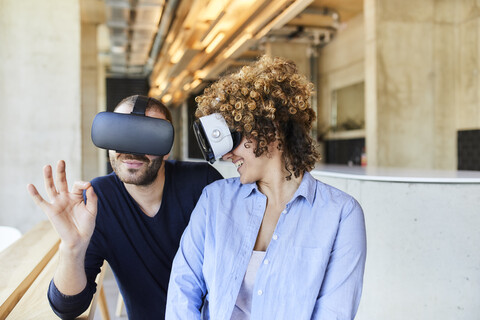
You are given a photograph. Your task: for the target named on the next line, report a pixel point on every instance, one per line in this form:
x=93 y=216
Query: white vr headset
x=214 y=137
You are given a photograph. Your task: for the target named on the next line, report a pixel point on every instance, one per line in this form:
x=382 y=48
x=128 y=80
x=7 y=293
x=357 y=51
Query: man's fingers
x=48 y=180
x=37 y=198
x=61 y=178
x=79 y=186
x=92 y=201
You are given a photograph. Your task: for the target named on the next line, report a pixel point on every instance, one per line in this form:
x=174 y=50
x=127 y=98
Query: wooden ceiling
x=347 y=9
x=93 y=11
x=310 y=15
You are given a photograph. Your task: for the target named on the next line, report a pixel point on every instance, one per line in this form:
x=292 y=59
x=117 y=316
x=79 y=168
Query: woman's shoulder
x=333 y=195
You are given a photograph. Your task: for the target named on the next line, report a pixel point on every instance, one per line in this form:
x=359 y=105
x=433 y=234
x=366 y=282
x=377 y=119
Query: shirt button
x=259 y=292
x=275 y=237
x=284 y=212
x=265 y=261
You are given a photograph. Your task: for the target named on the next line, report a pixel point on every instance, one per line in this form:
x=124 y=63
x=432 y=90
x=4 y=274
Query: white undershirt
x=243 y=305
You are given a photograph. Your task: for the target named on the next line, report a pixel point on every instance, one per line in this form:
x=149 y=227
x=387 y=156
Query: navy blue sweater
x=138 y=248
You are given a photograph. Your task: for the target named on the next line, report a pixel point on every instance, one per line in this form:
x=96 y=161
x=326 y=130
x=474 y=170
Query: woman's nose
x=227 y=156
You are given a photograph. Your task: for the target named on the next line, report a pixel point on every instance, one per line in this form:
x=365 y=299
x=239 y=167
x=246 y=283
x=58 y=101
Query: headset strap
x=140 y=105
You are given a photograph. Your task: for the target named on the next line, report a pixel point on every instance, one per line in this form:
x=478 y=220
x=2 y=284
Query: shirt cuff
x=69 y=306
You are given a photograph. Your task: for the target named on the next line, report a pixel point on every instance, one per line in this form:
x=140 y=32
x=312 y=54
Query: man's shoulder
x=187 y=165
x=106 y=181
x=192 y=170
x=108 y=177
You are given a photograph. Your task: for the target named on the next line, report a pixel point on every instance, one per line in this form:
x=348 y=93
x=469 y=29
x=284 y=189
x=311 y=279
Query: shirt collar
x=306 y=189
x=247 y=189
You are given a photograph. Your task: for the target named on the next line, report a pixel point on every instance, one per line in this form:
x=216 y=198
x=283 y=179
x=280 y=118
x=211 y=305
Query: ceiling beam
x=92 y=11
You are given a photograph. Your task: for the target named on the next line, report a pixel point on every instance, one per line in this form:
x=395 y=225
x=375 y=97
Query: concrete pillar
x=40 y=100
x=467 y=33
x=89 y=94
x=370 y=76
x=94 y=38
x=421 y=71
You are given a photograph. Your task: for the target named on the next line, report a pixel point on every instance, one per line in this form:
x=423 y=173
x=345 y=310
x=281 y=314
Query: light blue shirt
x=313 y=267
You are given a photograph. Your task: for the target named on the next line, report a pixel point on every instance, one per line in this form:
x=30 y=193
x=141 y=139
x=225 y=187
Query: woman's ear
x=273 y=148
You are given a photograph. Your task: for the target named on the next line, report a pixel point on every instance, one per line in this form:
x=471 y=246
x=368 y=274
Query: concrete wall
x=423 y=261
x=40 y=95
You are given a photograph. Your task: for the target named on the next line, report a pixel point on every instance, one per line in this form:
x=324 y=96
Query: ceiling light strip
x=212 y=25
x=216 y=41
x=293 y=10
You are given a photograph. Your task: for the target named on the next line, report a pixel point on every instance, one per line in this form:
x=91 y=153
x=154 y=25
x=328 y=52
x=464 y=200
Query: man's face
x=139 y=170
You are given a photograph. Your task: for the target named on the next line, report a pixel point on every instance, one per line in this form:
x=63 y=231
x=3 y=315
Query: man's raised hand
x=72 y=218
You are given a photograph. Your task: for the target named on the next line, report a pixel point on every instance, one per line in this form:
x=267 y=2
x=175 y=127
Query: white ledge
x=396 y=174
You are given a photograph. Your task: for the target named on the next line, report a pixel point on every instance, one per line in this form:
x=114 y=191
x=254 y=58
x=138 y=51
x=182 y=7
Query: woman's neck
x=277 y=188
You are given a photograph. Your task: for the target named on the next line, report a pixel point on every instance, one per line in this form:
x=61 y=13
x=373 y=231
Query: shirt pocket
x=312 y=259
x=308 y=264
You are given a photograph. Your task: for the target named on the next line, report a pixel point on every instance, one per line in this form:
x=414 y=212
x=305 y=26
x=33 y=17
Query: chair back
x=8 y=235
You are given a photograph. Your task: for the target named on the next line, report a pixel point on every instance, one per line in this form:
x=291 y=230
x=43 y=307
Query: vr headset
x=214 y=137
x=133 y=133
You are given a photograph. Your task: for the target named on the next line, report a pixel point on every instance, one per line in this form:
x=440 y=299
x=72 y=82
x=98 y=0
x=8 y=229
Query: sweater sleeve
x=69 y=307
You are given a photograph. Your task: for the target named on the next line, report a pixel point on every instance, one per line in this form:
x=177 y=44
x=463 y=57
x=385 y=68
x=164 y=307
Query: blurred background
x=397 y=89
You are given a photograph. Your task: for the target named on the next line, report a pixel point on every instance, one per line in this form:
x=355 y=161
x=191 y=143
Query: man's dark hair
x=152 y=104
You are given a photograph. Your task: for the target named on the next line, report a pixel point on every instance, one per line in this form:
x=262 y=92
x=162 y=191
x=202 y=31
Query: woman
x=274 y=243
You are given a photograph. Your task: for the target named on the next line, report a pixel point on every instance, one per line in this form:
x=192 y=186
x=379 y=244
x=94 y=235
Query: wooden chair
x=26 y=268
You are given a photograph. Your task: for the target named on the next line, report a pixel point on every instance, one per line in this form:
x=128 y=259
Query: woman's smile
x=238 y=164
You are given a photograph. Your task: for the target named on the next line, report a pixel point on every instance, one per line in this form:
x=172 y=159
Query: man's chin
x=136 y=178
x=130 y=177
x=141 y=176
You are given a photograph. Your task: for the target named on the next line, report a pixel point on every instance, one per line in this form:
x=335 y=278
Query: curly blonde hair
x=265 y=102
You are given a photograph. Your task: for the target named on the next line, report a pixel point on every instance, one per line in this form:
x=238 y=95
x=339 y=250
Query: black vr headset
x=214 y=137
x=133 y=133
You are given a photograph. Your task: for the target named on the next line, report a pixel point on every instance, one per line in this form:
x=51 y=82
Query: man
x=133 y=218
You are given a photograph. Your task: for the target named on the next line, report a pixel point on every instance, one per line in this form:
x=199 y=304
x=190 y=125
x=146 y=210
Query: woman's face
x=250 y=168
